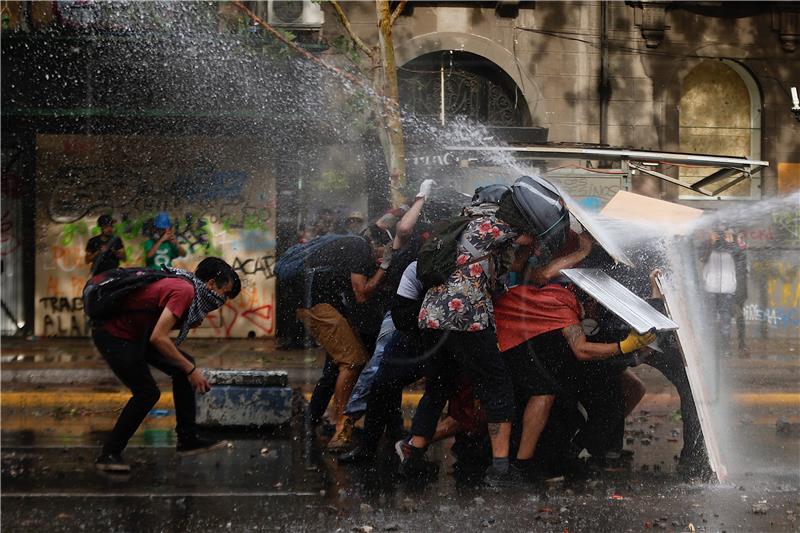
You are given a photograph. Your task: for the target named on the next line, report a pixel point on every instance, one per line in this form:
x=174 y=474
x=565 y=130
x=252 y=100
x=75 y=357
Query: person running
x=104 y=251
x=138 y=337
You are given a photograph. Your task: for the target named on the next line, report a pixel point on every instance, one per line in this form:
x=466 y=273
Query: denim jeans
x=357 y=405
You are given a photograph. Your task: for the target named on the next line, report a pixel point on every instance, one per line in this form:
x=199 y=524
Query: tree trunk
x=392 y=137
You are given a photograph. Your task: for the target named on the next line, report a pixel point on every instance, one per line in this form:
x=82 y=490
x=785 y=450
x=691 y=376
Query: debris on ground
x=366 y=508
x=760 y=507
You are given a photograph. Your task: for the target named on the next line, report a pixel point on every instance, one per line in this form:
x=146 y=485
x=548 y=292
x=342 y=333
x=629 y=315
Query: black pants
x=670 y=364
x=600 y=393
x=399 y=367
x=323 y=392
x=130 y=361
x=475 y=353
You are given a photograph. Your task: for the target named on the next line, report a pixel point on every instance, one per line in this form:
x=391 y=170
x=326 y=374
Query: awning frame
x=740 y=168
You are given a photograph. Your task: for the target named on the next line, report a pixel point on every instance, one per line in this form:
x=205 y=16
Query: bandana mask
x=205 y=301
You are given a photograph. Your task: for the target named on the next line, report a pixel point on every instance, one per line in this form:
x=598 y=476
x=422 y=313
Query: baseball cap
x=162 y=220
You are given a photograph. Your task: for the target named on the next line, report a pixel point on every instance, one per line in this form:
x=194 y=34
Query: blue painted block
x=244 y=400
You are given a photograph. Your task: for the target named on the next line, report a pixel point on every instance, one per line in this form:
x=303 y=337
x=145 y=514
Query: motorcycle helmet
x=541 y=204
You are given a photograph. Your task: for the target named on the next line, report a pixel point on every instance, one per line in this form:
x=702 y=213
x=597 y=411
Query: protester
x=323 y=224
x=164 y=247
x=354 y=223
x=740 y=259
x=457 y=323
x=104 y=251
x=693 y=460
x=403 y=251
x=719 y=281
x=340 y=276
x=139 y=336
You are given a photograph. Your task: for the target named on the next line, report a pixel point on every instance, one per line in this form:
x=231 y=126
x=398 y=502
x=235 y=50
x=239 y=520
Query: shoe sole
x=398 y=449
x=199 y=451
x=113 y=468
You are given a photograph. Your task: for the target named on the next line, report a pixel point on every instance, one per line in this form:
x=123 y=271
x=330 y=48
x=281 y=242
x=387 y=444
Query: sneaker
x=413 y=463
x=343 y=438
x=196 y=445
x=356 y=455
x=513 y=477
x=111 y=462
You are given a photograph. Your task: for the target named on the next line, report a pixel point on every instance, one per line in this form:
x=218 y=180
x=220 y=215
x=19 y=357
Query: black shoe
x=196 y=445
x=111 y=462
x=413 y=463
x=356 y=455
x=512 y=477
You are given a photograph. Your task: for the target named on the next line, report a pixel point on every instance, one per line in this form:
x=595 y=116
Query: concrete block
x=245 y=398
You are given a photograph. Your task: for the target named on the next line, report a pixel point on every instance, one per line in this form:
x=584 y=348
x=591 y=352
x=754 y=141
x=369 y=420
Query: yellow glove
x=634 y=341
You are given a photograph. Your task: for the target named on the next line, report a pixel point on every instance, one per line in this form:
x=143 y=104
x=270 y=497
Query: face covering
x=205 y=301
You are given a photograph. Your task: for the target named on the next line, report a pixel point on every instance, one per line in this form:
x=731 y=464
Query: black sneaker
x=111 y=462
x=197 y=445
x=512 y=477
x=356 y=455
x=413 y=463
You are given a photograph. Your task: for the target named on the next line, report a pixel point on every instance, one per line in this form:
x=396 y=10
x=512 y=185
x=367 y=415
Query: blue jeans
x=357 y=405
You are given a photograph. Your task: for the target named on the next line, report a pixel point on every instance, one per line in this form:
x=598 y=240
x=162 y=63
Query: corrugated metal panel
x=619 y=300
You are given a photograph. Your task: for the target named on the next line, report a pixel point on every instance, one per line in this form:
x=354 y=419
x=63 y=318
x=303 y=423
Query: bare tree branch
x=349 y=28
x=397 y=11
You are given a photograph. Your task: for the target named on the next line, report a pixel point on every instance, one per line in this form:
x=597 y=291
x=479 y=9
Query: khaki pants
x=332 y=331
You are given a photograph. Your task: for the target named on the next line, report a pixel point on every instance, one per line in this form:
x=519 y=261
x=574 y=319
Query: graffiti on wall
x=219 y=206
x=779 y=278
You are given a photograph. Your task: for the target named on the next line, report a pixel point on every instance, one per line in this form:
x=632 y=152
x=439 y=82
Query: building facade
x=96 y=119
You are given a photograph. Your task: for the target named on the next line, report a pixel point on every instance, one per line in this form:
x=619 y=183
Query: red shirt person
x=139 y=337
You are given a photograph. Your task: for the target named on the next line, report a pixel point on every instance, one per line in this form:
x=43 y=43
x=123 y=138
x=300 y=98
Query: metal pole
x=604 y=89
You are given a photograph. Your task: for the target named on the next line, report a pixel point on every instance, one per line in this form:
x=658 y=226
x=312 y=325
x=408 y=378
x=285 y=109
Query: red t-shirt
x=143 y=308
x=525 y=312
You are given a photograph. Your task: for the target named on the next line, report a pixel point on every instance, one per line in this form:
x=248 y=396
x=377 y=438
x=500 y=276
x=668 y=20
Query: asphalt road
x=56 y=412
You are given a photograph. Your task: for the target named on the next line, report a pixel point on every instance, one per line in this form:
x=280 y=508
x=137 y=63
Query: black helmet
x=489 y=194
x=541 y=204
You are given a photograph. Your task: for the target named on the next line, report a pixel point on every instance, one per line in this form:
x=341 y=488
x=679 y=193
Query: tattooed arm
x=585 y=350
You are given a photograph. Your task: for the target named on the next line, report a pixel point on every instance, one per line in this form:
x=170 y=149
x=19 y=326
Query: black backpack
x=291 y=265
x=437 y=256
x=104 y=292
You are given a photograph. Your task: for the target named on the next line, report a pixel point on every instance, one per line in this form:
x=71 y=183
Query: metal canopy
x=640 y=315
x=739 y=168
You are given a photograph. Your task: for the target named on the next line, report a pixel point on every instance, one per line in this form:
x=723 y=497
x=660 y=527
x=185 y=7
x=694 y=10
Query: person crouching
x=138 y=337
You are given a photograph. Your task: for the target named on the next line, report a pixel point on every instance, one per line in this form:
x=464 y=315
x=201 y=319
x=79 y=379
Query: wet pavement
x=58 y=400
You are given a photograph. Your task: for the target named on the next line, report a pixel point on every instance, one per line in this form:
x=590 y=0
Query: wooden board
x=638 y=208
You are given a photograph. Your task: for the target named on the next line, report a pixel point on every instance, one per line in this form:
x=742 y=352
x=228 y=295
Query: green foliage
x=332 y=181
x=346 y=47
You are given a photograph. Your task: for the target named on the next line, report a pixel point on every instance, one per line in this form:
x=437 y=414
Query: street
x=58 y=401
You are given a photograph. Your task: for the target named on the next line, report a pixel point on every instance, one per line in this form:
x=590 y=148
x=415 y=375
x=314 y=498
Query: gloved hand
x=425 y=189
x=634 y=341
x=386 y=261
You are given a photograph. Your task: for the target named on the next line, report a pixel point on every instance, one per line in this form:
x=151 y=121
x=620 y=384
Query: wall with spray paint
x=219 y=192
x=773 y=304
